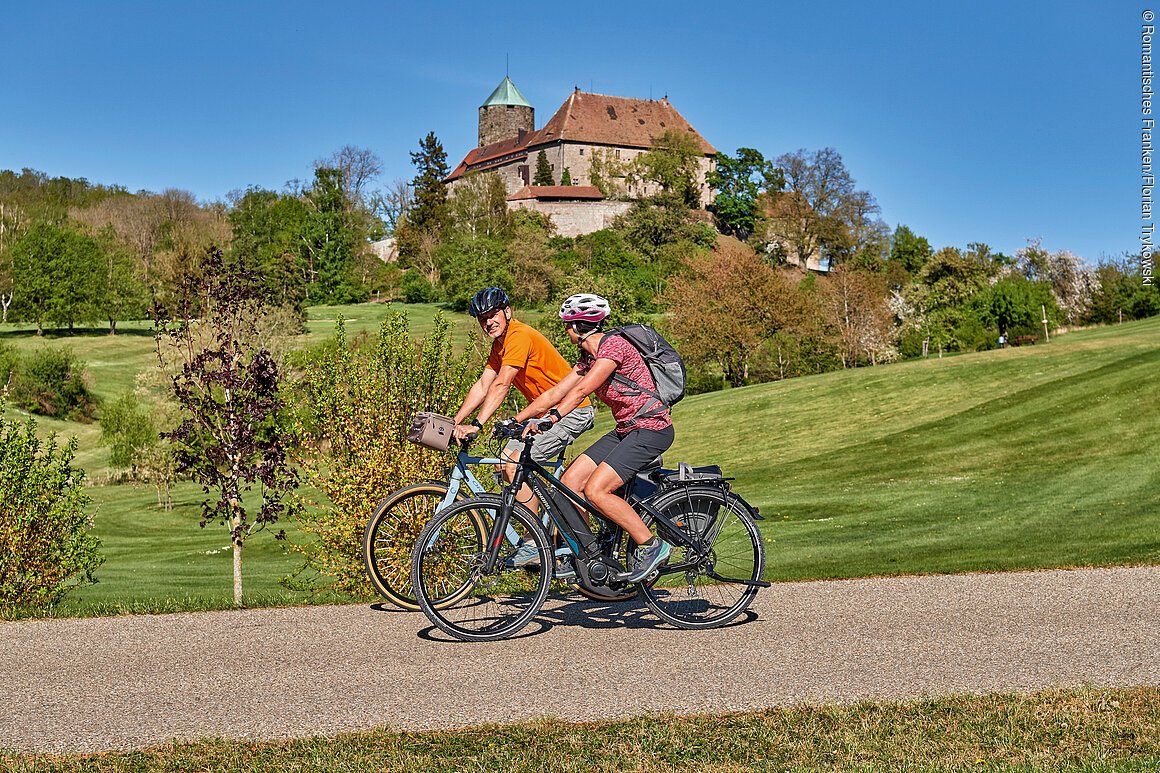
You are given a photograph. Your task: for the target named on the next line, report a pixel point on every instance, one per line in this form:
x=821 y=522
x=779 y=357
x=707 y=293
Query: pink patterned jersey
x=621 y=398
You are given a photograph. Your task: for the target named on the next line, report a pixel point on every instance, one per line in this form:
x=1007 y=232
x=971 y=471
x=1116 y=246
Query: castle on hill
x=588 y=132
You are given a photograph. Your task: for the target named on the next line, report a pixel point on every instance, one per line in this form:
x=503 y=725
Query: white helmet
x=584 y=307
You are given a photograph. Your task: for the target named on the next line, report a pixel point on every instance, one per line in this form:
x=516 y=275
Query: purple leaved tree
x=226 y=382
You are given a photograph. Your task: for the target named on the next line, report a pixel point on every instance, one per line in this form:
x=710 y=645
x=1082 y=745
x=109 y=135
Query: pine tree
x=429 y=211
x=566 y=177
x=543 y=171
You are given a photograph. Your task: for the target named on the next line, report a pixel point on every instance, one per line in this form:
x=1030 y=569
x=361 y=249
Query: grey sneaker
x=565 y=570
x=526 y=555
x=648 y=557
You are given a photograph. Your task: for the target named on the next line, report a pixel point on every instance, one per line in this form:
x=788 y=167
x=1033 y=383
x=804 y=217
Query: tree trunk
x=237 y=574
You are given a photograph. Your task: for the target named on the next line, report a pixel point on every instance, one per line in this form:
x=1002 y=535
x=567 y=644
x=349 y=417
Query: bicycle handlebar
x=514 y=430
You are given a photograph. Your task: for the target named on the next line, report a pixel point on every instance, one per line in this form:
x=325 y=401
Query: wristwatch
x=476 y=423
x=555 y=413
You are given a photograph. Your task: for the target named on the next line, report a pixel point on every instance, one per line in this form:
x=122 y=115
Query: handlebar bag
x=431 y=430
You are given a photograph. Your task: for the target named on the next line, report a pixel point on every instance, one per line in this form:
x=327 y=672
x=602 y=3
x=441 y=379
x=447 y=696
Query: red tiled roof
x=492 y=152
x=623 y=121
x=594 y=118
x=556 y=192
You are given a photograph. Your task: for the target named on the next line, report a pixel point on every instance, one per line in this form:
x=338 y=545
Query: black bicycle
x=711 y=577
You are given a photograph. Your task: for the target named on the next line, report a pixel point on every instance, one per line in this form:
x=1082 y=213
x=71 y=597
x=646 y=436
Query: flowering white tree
x=1072 y=281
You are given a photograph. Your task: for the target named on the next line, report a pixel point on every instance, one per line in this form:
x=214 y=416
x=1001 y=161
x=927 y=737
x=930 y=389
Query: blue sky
x=986 y=121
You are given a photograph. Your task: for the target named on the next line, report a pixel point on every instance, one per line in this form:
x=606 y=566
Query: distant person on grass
x=523 y=357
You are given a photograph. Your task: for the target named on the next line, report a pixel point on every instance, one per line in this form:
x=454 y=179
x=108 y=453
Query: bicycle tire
x=448 y=582
x=389 y=539
x=690 y=597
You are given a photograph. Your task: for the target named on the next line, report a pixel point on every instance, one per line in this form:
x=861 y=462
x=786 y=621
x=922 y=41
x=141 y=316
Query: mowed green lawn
x=1040 y=456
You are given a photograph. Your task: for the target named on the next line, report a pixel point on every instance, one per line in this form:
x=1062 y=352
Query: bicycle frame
x=461 y=474
x=569 y=522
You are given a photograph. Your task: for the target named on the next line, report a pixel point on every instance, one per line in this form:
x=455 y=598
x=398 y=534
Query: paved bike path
x=119 y=683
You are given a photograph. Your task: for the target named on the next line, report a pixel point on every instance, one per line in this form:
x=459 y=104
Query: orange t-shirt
x=540 y=366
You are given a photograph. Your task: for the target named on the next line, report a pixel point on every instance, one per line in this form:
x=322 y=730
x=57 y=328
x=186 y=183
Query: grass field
x=1041 y=456
x=1060 y=730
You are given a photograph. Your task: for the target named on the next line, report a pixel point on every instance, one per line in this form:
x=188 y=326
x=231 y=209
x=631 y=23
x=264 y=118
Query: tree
x=58 y=275
x=738 y=183
x=672 y=163
x=854 y=304
x=1120 y=293
x=478 y=207
x=358 y=167
x=820 y=215
x=123 y=294
x=1012 y=305
x=390 y=204
x=46 y=544
x=227 y=384
x=126 y=430
x=543 y=174
x=1071 y=281
x=729 y=302
x=428 y=213
x=13 y=224
x=942 y=291
x=606 y=172
x=566 y=177
x=331 y=238
x=909 y=250
x=268 y=236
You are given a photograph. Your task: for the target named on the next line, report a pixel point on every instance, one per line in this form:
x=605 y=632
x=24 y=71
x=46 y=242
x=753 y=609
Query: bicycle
x=390 y=533
x=466 y=584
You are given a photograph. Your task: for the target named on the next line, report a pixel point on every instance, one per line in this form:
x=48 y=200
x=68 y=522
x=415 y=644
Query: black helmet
x=487 y=300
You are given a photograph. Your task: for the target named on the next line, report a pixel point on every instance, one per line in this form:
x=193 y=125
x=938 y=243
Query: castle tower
x=505 y=114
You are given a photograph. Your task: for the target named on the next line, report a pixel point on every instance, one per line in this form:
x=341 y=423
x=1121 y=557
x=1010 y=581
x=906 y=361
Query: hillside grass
x=1058 y=730
x=1031 y=457
x=1021 y=458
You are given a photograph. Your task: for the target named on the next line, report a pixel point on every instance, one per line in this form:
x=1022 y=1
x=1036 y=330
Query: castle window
x=581 y=151
x=618 y=152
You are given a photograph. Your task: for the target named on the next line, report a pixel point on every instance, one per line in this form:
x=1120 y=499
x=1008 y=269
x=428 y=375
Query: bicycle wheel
x=694 y=588
x=389 y=539
x=449 y=581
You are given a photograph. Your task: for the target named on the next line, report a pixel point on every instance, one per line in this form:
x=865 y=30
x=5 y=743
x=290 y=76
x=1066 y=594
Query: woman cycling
x=644 y=429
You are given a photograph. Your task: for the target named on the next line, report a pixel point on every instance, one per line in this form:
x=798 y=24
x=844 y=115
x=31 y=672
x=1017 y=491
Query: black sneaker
x=648 y=557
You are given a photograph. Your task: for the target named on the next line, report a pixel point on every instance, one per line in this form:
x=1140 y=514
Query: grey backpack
x=664 y=363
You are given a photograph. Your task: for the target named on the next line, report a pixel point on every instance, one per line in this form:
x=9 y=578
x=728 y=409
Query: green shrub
x=45 y=545
x=126 y=430
x=52 y=382
x=355 y=407
x=416 y=288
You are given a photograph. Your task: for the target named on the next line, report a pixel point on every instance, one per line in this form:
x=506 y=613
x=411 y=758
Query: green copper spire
x=506 y=93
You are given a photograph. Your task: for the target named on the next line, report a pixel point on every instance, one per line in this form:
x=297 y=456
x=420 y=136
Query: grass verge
x=1082 y=729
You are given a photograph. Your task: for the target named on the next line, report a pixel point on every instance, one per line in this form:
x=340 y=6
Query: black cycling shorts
x=628 y=454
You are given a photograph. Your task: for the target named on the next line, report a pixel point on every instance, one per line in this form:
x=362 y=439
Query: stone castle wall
x=501 y=122
x=575 y=218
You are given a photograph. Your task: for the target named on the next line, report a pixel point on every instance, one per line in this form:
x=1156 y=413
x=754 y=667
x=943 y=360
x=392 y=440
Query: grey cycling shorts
x=548 y=446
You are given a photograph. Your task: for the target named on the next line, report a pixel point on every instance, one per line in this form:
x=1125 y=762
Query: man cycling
x=644 y=428
x=523 y=357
